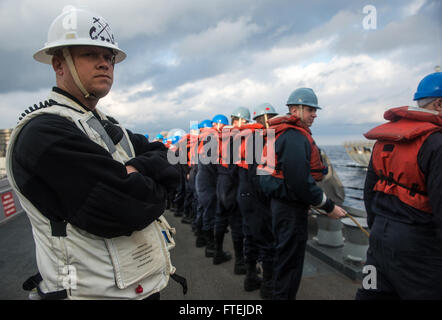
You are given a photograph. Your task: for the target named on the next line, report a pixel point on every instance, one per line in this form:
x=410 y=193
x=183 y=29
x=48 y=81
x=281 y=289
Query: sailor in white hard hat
x=93 y=191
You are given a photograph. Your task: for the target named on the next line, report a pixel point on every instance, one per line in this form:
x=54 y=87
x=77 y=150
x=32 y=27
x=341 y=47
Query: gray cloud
x=188 y=60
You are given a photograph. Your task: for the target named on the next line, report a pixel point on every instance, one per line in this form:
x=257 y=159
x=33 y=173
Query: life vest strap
x=390 y=180
x=58 y=228
x=181 y=280
x=33 y=282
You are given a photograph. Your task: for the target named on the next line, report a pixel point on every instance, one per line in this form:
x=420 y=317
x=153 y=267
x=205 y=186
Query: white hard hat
x=75 y=26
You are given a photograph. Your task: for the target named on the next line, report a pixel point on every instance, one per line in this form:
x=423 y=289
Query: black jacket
x=68 y=177
x=298 y=187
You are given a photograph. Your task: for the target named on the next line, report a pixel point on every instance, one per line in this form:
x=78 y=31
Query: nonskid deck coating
x=206 y=281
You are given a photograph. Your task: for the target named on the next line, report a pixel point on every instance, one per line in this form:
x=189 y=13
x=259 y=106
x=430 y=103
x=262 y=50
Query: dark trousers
x=198 y=219
x=257 y=221
x=290 y=232
x=180 y=193
x=407 y=260
x=227 y=208
x=195 y=207
x=188 y=199
x=206 y=191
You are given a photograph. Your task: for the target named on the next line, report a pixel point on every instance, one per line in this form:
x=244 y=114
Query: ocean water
x=349 y=173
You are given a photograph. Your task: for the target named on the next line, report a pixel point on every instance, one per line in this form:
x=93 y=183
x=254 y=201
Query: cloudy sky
x=189 y=60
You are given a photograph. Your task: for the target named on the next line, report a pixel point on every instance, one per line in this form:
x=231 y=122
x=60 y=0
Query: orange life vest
x=189 y=143
x=168 y=144
x=242 y=137
x=224 y=143
x=394 y=156
x=202 y=138
x=280 y=124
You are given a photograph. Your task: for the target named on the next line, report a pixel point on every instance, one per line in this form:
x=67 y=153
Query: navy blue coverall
x=257 y=220
x=405 y=243
x=227 y=208
x=206 y=190
x=290 y=201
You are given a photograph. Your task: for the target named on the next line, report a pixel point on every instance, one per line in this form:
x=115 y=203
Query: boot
x=252 y=281
x=186 y=218
x=172 y=206
x=210 y=246
x=240 y=265
x=201 y=240
x=266 y=290
x=220 y=255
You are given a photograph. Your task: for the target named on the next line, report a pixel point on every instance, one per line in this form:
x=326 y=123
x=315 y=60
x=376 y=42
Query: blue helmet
x=205 y=124
x=159 y=137
x=175 y=139
x=220 y=118
x=262 y=109
x=304 y=96
x=241 y=112
x=147 y=136
x=430 y=87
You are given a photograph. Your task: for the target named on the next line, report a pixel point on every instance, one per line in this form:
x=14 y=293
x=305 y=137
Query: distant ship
x=359 y=151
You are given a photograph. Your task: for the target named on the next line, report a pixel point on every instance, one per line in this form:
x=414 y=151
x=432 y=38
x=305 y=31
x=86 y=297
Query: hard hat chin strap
x=302 y=112
x=71 y=66
x=266 y=119
x=425 y=101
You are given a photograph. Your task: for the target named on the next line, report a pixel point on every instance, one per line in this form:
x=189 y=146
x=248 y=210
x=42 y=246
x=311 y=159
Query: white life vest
x=83 y=265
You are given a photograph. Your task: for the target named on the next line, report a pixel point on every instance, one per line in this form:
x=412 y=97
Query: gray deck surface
x=206 y=281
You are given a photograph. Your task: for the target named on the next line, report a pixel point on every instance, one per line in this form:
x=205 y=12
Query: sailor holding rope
x=403 y=199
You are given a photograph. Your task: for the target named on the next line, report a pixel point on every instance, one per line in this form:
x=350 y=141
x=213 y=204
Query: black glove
x=154 y=164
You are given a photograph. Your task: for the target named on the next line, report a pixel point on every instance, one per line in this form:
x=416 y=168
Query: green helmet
x=264 y=108
x=304 y=96
x=241 y=112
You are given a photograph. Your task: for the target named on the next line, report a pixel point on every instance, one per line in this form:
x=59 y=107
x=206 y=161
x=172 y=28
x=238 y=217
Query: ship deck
x=206 y=281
